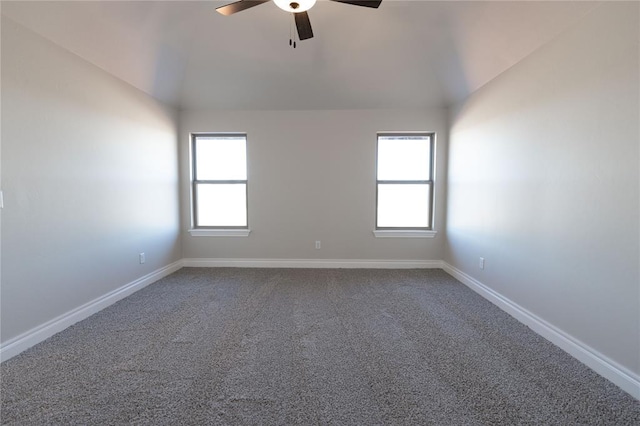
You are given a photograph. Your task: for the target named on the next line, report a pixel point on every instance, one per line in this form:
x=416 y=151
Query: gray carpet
x=300 y=346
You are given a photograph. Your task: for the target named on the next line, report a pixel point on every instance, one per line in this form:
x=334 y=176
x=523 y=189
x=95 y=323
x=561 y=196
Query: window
x=404 y=182
x=219 y=182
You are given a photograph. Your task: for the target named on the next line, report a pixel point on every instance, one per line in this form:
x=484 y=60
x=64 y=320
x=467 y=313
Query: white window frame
x=221 y=231
x=409 y=232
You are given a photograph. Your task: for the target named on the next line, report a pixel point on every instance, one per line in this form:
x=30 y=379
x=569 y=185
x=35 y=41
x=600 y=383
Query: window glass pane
x=403 y=206
x=221 y=158
x=222 y=204
x=404 y=158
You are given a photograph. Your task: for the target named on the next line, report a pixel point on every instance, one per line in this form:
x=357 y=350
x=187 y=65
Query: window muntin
x=404 y=181
x=219 y=181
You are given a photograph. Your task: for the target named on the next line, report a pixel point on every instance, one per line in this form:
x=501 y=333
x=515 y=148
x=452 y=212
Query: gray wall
x=312 y=177
x=543 y=182
x=90 y=178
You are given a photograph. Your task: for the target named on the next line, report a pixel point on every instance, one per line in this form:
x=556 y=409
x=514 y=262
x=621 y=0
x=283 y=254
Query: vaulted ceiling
x=406 y=54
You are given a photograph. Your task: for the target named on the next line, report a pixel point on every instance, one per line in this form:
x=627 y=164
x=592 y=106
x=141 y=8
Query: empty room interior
x=331 y=212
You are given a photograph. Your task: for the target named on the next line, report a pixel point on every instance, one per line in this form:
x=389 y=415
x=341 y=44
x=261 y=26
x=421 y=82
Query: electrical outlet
x=142 y=258
x=482 y=263
x=318 y=245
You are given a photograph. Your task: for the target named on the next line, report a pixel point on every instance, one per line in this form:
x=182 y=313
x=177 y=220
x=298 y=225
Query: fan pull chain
x=293 y=18
x=290 y=32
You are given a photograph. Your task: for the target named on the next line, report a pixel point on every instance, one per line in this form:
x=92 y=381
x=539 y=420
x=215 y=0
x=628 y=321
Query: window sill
x=398 y=233
x=219 y=232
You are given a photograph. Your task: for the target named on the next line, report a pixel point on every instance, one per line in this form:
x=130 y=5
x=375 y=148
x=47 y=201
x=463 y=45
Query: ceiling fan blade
x=366 y=3
x=239 y=6
x=304 y=25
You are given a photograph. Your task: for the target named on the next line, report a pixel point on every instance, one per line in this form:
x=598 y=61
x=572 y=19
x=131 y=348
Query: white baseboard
x=38 y=334
x=616 y=373
x=601 y=364
x=313 y=263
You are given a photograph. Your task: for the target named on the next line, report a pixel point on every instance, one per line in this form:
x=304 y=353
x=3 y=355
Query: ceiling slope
x=406 y=54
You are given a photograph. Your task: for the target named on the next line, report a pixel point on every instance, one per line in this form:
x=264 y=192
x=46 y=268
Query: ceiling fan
x=297 y=7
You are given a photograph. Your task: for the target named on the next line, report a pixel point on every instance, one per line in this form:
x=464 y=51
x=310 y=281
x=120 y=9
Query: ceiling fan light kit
x=297 y=7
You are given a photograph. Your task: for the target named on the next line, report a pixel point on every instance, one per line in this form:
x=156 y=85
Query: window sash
x=195 y=182
x=429 y=188
x=223 y=157
x=404 y=157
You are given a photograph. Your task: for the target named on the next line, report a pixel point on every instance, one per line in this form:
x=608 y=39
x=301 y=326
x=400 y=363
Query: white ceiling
x=406 y=54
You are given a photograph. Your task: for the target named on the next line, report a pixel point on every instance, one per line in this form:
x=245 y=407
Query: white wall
x=90 y=178
x=543 y=182
x=312 y=177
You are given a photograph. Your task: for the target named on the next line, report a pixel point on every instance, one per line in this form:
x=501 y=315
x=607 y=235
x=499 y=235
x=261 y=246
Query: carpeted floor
x=301 y=346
